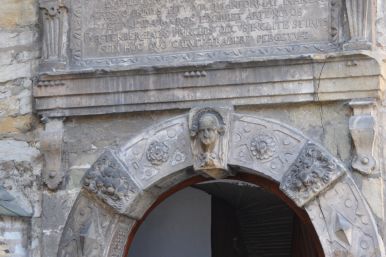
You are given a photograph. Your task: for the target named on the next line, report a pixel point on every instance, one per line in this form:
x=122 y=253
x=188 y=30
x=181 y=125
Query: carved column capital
x=55 y=27
x=51 y=142
x=362 y=128
x=361 y=22
x=51 y=7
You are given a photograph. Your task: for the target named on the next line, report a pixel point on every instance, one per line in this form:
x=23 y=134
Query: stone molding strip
x=290 y=82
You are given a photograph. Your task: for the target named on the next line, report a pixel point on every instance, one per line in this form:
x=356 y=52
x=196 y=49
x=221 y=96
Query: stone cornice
x=322 y=78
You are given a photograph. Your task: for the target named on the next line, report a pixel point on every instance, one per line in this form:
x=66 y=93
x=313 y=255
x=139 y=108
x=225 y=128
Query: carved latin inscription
x=122 y=28
x=313 y=171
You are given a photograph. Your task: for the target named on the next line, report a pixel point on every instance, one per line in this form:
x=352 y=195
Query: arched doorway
x=227 y=218
x=125 y=183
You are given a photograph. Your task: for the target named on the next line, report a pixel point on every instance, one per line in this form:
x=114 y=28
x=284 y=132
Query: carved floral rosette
x=157 y=153
x=312 y=172
x=263 y=146
x=109 y=180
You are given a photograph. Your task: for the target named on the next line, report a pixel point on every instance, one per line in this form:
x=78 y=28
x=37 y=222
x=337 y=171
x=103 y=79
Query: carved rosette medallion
x=209 y=140
x=157 y=153
x=312 y=172
x=263 y=147
x=108 y=179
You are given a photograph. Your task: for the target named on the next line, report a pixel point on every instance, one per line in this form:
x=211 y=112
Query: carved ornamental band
x=312 y=172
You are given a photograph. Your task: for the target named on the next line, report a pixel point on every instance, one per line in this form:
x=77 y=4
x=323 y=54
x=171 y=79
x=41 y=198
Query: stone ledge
x=331 y=79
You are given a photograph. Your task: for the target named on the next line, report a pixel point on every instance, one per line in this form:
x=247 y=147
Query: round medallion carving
x=157 y=153
x=263 y=146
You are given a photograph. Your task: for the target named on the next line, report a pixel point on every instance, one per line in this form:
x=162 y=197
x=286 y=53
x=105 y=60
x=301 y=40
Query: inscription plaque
x=144 y=32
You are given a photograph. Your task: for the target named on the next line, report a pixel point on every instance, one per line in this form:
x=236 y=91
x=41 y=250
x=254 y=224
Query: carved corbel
x=361 y=21
x=362 y=128
x=51 y=142
x=209 y=130
x=55 y=28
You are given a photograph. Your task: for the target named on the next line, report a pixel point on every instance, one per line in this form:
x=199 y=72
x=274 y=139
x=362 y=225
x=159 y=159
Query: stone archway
x=215 y=142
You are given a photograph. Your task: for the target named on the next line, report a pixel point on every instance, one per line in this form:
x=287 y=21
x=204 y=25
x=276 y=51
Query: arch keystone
x=209 y=130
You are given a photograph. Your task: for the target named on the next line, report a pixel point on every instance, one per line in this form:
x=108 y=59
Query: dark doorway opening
x=240 y=219
x=248 y=221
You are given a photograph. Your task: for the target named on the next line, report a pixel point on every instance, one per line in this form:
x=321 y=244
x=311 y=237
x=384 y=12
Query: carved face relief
x=208 y=131
x=209 y=138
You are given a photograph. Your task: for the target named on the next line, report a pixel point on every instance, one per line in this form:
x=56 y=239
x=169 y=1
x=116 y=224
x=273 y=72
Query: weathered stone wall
x=381 y=24
x=85 y=138
x=20 y=161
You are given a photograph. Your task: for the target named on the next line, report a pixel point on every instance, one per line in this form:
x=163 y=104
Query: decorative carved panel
x=313 y=171
x=88 y=230
x=263 y=145
x=162 y=151
x=110 y=181
x=351 y=227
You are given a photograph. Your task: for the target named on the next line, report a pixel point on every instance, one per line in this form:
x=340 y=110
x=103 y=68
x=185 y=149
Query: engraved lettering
x=117 y=28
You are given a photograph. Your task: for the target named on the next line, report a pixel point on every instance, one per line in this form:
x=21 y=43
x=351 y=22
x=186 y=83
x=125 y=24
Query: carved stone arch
x=124 y=183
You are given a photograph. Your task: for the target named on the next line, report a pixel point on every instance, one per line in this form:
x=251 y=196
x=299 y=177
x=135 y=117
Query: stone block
x=18 y=124
x=18 y=70
x=21 y=180
x=56 y=208
x=14 y=13
x=10 y=150
x=13 y=237
x=20 y=37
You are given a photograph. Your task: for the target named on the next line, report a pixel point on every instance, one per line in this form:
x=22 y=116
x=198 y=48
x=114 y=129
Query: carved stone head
x=209 y=138
x=209 y=131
